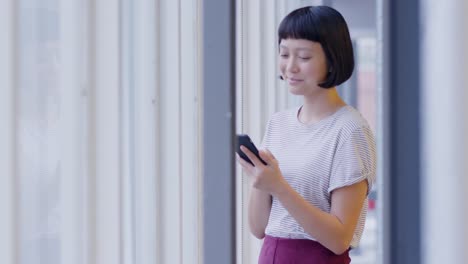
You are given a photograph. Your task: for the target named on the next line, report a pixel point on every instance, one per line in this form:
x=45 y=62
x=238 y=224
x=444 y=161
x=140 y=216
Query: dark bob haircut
x=326 y=26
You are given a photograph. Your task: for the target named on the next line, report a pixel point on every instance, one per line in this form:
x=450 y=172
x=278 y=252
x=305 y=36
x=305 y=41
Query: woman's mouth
x=294 y=81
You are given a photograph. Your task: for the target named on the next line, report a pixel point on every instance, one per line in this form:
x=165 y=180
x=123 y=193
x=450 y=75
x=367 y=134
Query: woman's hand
x=267 y=178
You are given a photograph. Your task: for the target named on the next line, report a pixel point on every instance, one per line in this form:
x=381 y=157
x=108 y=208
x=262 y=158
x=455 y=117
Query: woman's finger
x=256 y=162
x=247 y=167
x=264 y=155
x=270 y=155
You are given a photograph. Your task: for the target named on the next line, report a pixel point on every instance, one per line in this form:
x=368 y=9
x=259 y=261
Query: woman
x=309 y=202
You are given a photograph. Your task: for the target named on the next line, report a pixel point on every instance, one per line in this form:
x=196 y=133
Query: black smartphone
x=245 y=141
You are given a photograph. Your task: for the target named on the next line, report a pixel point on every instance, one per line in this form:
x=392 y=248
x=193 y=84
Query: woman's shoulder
x=350 y=120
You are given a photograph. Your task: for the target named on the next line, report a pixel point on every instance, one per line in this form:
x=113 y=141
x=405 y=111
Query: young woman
x=309 y=202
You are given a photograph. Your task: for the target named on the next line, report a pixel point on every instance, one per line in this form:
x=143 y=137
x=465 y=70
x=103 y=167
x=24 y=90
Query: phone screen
x=245 y=141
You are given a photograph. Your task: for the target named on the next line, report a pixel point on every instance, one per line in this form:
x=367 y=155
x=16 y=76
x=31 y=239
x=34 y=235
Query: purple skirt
x=288 y=251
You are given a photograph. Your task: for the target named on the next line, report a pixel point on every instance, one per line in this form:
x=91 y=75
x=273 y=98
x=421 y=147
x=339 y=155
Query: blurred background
x=103 y=126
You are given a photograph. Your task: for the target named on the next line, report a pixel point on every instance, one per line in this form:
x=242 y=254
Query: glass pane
x=38 y=119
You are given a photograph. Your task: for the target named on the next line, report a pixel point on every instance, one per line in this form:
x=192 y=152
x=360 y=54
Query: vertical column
x=145 y=174
x=219 y=244
x=270 y=49
x=383 y=133
x=169 y=127
x=190 y=128
x=128 y=126
x=404 y=135
x=158 y=139
x=445 y=126
x=8 y=84
x=242 y=233
x=254 y=70
x=105 y=148
x=71 y=136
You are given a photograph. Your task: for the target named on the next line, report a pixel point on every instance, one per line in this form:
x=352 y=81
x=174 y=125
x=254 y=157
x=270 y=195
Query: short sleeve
x=354 y=160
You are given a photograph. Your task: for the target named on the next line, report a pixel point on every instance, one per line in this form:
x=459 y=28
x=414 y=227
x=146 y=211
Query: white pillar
x=8 y=85
x=170 y=131
x=190 y=118
x=71 y=133
x=145 y=174
x=105 y=201
x=445 y=146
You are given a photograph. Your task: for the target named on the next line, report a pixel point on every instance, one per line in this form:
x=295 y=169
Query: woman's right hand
x=267 y=178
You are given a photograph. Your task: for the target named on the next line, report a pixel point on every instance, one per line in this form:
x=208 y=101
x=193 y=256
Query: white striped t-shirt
x=316 y=159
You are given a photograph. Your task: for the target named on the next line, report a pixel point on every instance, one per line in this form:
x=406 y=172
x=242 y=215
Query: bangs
x=299 y=24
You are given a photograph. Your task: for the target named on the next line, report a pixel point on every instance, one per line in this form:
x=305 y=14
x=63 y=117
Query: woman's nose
x=292 y=66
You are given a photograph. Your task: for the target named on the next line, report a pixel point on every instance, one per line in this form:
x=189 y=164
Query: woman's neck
x=320 y=105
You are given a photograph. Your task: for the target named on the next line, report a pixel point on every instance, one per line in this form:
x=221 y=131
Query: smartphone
x=244 y=140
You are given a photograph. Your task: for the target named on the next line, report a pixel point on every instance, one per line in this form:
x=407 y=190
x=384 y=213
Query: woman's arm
x=334 y=230
x=259 y=212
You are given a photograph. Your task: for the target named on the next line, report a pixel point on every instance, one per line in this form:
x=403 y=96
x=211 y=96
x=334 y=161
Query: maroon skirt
x=288 y=251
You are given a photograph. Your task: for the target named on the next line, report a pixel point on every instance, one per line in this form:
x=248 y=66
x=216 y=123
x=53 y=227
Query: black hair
x=326 y=26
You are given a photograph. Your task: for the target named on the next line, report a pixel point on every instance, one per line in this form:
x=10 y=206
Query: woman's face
x=303 y=65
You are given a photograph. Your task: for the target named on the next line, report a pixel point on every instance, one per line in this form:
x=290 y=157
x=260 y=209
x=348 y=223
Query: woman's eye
x=304 y=58
x=284 y=55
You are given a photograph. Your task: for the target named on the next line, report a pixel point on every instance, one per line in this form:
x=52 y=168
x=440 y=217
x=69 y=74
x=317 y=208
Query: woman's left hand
x=268 y=177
